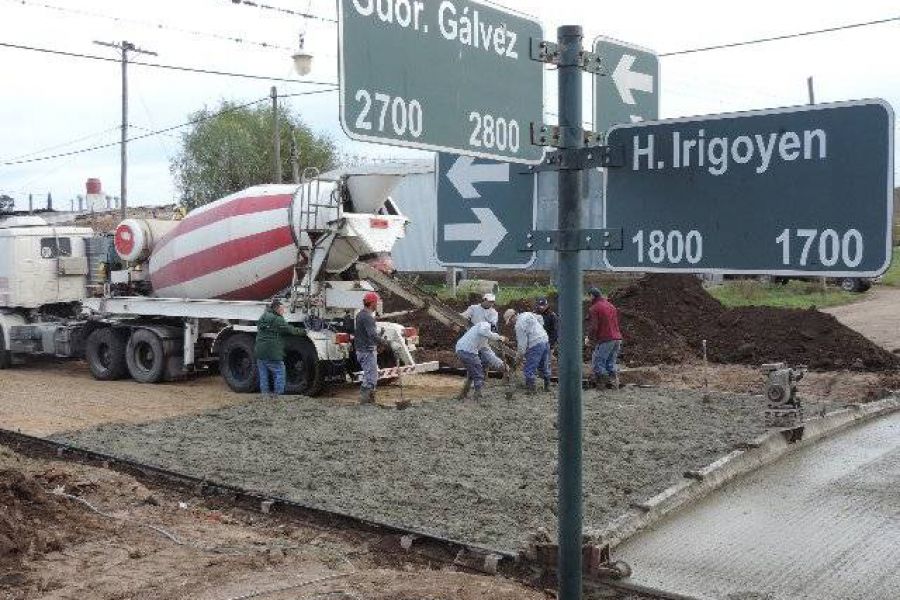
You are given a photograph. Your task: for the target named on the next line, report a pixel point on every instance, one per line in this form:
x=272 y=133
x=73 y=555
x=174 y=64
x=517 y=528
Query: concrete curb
x=759 y=452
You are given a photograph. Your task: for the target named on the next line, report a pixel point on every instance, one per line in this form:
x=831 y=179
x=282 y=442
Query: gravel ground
x=480 y=473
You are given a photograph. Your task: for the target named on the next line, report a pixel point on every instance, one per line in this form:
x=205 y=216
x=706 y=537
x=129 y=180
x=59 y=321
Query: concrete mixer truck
x=162 y=299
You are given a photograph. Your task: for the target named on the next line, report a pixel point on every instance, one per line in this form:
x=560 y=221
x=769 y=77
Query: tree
x=7 y=203
x=231 y=148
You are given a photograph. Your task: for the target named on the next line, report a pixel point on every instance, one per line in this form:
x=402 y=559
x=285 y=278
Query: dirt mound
x=34 y=522
x=680 y=306
x=657 y=344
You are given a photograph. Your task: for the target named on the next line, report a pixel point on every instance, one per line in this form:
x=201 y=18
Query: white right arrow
x=488 y=232
x=464 y=173
x=627 y=80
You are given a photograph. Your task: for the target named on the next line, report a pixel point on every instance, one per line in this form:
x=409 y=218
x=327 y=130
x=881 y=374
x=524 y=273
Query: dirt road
x=877 y=316
x=45 y=397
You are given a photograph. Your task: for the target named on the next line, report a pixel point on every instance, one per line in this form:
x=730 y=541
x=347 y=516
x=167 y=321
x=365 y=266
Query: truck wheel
x=305 y=375
x=5 y=357
x=145 y=356
x=105 y=354
x=387 y=359
x=237 y=364
x=851 y=284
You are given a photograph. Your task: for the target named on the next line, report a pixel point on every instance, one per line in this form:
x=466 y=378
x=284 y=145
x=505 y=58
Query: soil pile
x=33 y=522
x=748 y=335
x=665 y=318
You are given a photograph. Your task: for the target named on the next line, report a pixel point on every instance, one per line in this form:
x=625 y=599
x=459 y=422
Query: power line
x=287 y=11
x=159 y=131
x=783 y=37
x=149 y=24
x=62 y=145
x=163 y=66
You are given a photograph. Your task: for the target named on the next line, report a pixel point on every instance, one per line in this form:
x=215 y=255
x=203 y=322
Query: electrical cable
x=783 y=37
x=62 y=145
x=159 y=131
x=162 y=66
x=151 y=25
x=287 y=11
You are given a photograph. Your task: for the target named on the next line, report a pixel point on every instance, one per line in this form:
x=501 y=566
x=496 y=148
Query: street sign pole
x=569 y=39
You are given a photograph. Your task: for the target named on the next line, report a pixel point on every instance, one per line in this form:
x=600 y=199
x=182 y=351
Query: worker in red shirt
x=603 y=332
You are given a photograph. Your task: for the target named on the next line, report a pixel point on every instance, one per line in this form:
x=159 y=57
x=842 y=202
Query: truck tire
x=5 y=356
x=851 y=284
x=237 y=364
x=105 y=353
x=145 y=356
x=305 y=375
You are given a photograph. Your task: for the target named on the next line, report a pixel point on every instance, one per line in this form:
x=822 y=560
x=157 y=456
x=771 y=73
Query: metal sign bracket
x=581 y=158
x=548 y=52
x=571 y=241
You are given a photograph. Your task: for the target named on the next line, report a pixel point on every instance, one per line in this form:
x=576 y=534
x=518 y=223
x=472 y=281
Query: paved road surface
x=877 y=316
x=821 y=524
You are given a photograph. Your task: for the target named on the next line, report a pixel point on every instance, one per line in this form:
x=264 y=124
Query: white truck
x=65 y=291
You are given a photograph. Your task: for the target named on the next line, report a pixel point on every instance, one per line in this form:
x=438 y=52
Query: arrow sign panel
x=795 y=191
x=630 y=93
x=483 y=208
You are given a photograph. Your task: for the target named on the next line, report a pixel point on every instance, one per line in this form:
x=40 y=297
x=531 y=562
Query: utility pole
x=812 y=100
x=124 y=47
x=276 y=133
x=295 y=157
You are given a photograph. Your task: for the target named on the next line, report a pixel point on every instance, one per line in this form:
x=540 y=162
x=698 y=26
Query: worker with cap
x=483 y=312
x=474 y=352
x=271 y=329
x=604 y=333
x=365 y=340
x=551 y=321
x=532 y=344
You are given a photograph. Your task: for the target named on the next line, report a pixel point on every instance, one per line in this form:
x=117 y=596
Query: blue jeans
x=368 y=360
x=603 y=360
x=537 y=358
x=475 y=364
x=276 y=369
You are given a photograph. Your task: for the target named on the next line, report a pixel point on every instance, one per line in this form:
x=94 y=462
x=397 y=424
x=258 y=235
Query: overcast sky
x=53 y=104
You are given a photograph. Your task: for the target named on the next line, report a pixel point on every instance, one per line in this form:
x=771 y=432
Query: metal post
x=124 y=47
x=276 y=135
x=570 y=294
x=123 y=169
x=30 y=204
x=812 y=100
x=295 y=158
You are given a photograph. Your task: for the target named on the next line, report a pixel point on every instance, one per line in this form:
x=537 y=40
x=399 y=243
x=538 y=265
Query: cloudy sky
x=55 y=104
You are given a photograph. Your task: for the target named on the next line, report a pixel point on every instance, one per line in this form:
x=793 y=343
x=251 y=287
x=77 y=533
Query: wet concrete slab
x=822 y=523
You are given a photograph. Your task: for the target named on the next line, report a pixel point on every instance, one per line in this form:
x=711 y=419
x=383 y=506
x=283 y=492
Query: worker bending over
x=474 y=351
x=271 y=329
x=603 y=331
x=365 y=340
x=533 y=346
x=484 y=312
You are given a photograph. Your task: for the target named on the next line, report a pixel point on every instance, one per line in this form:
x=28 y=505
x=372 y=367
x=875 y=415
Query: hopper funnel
x=369 y=192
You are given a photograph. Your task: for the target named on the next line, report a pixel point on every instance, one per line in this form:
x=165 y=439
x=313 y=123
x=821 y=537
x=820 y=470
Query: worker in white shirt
x=474 y=351
x=484 y=312
x=533 y=346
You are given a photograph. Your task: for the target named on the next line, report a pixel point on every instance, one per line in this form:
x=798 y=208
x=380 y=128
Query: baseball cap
x=509 y=314
x=489 y=298
x=370 y=298
x=541 y=302
x=595 y=292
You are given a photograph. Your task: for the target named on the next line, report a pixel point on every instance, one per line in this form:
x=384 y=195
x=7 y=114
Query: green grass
x=795 y=294
x=892 y=277
x=507 y=294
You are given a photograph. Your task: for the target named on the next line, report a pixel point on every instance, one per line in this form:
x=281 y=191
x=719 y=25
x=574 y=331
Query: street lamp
x=302 y=59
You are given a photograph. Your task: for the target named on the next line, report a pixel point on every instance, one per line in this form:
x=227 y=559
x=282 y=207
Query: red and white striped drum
x=245 y=246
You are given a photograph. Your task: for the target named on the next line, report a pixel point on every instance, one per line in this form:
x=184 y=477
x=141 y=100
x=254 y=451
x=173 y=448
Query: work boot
x=546 y=385
x=530 y=387
x=366 y=396
x=477 y=396
x=612 y=382
x=464 y=392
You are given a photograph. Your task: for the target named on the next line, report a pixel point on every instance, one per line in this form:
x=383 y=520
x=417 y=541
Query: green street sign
x=629 y=92
x=483 y=209
x=804 y=190
x=450 y=76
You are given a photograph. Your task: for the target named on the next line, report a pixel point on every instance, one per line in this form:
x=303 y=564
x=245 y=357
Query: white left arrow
x=628 y=81
x=488 y=232
x=464 y=174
